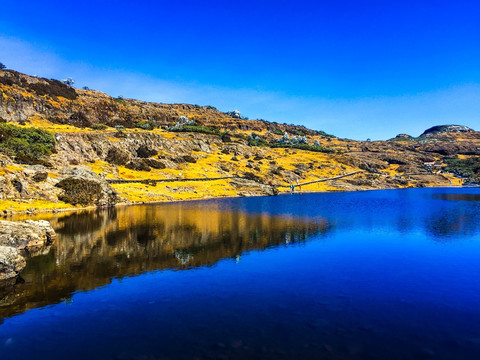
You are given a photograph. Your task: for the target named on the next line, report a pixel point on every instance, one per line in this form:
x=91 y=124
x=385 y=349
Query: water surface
x=369 y=275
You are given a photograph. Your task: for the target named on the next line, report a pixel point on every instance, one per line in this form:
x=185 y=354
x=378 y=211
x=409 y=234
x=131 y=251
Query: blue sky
x=357 y=69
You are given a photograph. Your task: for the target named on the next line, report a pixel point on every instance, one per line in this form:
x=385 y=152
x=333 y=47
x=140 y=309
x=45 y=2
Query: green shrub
x=120 y=100
x=257 y=141
x=28 y=145
x=197 y=129
x=463 y=167
x=145 y=125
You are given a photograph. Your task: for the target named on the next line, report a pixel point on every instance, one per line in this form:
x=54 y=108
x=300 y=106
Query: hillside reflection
x=94 y=247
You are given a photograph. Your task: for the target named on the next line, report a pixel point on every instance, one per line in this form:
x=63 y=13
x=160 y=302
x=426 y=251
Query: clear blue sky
x=356 y=69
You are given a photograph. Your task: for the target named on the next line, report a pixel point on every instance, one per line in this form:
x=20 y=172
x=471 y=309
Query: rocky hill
x=445 y=129
x=62 y=147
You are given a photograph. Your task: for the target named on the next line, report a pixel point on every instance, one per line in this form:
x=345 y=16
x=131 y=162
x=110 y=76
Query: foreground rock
x=11 y=262
x=19 y=240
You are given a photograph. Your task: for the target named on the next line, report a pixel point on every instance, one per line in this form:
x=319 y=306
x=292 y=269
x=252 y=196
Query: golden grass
x=32 y=204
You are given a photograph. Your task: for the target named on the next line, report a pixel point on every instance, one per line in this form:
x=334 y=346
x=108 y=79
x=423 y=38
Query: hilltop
x=63 y=147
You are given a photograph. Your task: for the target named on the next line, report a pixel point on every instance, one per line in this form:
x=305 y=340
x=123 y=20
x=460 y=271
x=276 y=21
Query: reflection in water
x=457 y=197
x=398 y=278
x=94 y=247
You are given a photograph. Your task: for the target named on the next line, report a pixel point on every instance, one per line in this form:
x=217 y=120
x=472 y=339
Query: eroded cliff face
x=133 y=144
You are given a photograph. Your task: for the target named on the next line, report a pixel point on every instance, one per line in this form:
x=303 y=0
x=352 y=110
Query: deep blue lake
x=391 y=274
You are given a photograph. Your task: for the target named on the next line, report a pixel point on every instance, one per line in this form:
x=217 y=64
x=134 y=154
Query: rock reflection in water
x=94 y=247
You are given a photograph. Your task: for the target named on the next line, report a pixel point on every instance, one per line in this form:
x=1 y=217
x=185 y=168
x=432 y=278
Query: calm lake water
x=389 y=274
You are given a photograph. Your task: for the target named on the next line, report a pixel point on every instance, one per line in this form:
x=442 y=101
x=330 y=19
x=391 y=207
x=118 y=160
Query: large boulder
x=81 y=186
x=31 y=236
x=19 y=240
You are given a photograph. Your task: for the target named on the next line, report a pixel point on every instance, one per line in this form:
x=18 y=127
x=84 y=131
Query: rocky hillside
x=61 y=147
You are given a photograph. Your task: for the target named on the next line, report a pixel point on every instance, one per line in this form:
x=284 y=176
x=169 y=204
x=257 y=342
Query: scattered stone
x=145 y=152
x=155 y=164
x=117 y=157
x=189 y=159
x=17 y=185
x=226 y=138
x=138 y=165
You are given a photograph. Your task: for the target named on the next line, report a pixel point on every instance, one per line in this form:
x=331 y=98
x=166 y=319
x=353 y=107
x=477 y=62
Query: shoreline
x=11 y=214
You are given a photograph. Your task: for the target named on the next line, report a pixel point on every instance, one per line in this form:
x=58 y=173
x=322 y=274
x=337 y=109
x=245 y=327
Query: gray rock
x=19 y=239
x=26 y=235
x=11 y=262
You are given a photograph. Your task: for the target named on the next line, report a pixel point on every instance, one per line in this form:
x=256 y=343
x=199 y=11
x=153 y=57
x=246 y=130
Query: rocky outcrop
x=446 y=129
x=81 y=186
x=19 y=240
